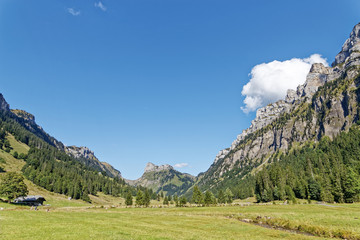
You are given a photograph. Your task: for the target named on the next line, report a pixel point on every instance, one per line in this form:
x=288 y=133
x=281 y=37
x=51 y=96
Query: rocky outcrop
x=221 y=154
x=28 y=117
x=88 y=157
x=351 y=48
x=80 y=152
x=326 y=104
x=150 y=167
x=4 y=106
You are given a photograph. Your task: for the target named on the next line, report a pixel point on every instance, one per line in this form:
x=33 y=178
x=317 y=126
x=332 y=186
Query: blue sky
x=154 y=80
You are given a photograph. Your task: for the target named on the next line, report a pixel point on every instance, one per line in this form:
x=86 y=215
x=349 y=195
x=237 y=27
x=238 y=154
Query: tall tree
x=209 y=198
x=146 y=201
x=166 y=201
x=139 y=198
x=129 y=199
x=221 y=197
x=176 y=200
x=352 y=186
x=197 y=196
x=229 y=195
x=182 y=201
x=12 y=186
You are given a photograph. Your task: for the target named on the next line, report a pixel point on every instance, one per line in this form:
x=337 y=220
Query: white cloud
x=100 y=5
x=73 y=12
x=270 y=81
x=181 y=165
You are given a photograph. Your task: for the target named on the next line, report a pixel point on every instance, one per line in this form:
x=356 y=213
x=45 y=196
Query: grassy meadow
x=106 y=222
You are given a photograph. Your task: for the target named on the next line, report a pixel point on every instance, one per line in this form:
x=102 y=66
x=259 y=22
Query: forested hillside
x=324 y=107
x=325 y=171
x=54 y=170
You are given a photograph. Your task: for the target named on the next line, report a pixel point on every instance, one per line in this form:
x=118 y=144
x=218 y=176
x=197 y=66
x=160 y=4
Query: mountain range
x=326 y=105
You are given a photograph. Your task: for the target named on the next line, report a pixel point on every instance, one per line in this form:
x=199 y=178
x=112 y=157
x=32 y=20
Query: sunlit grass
x=133 y=223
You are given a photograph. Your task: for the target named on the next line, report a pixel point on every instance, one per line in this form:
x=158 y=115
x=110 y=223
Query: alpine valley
x=306 y=146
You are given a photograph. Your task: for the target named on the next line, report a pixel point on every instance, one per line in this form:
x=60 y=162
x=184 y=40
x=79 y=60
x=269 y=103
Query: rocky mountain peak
x=150 y=167
x=307 y=113
x=318 y=76
x=163 y=178
x=351 y=47
x=4 y=106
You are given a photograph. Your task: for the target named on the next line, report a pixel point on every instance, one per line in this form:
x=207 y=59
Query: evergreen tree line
x=208 y=198
x=143 y=198
x=239 y=180
x=327 y=171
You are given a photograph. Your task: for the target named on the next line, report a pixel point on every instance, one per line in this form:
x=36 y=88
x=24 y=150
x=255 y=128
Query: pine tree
x=146 y=201
x=229 y=195
x=182 y=201
x=221 y=197
x=197 y=196
x=166 y=201
x=209 y=198
x=129 y=199
x=352 y=186
x=176 y=200
x=139 y=198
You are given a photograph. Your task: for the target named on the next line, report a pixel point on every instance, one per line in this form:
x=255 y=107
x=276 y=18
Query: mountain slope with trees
x=326 y=105
x=48 y=165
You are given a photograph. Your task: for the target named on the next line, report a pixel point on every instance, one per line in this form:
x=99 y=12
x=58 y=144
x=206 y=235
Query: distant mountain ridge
x=164 y=178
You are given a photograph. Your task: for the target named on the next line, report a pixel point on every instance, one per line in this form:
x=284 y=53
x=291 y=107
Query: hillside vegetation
x=48 y=167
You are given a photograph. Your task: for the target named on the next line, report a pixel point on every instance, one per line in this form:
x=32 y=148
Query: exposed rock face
x=164 y=178
x=308 y=113
x=4 y=106
x=28 y=117
x=150 y=167
x=351 y=47
x=221 y=154
x=81 y=152
x=88 y=157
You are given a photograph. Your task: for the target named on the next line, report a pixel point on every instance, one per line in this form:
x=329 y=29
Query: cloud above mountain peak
x=269 y=82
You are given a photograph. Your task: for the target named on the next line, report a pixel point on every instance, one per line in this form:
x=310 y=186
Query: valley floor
x=90 y=222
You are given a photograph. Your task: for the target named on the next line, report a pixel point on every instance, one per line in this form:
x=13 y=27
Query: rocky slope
x=164 y=178
x=326 y=104
x=88 y=157
x=4 y=106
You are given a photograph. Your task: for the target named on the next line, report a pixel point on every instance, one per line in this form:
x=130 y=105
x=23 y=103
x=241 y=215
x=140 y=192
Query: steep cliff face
x=4 y=106
x=88 y=157
x=164 y=178
x=326 y=104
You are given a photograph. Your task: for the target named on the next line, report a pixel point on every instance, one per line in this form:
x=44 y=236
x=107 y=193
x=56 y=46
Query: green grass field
x=89 y=222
